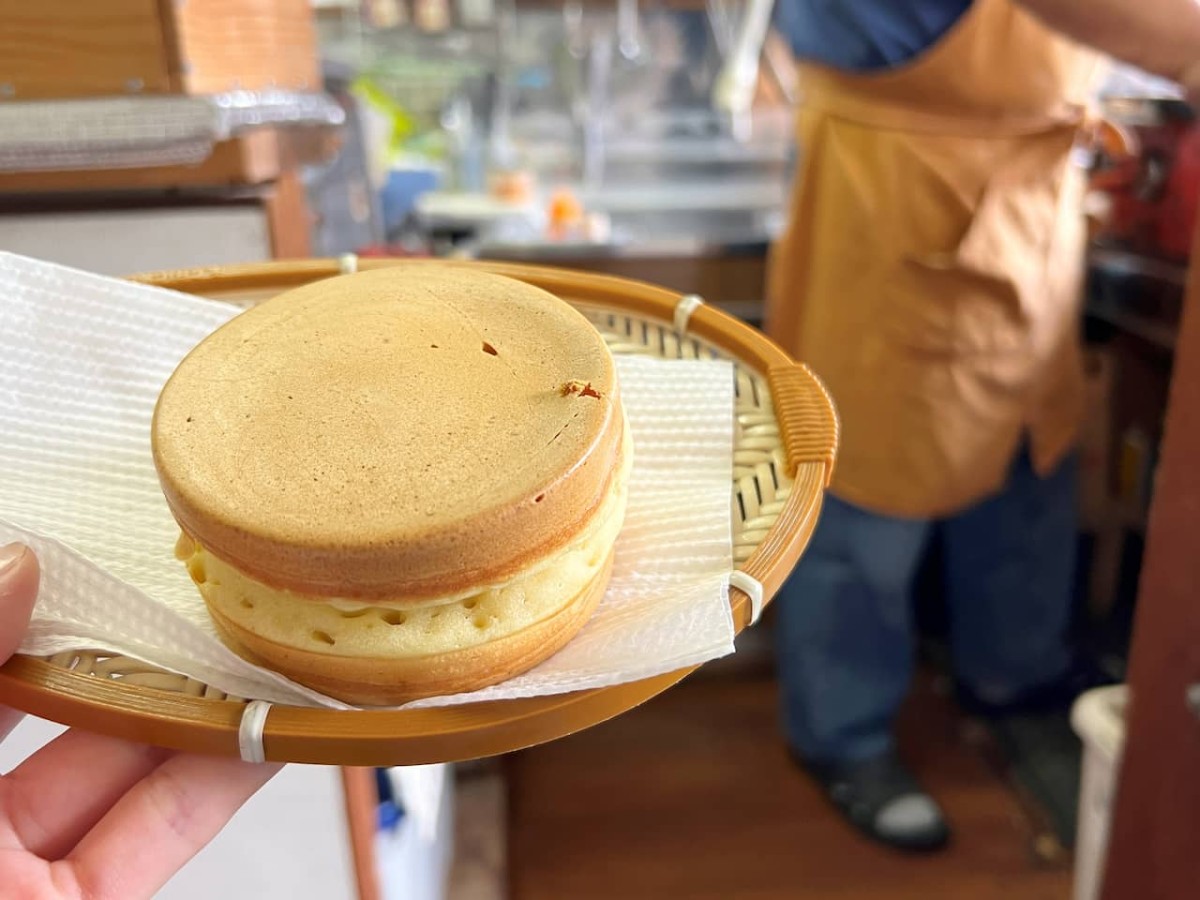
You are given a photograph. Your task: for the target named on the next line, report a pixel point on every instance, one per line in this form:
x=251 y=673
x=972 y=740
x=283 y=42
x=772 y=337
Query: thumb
x=18 y=589
x=19 y=577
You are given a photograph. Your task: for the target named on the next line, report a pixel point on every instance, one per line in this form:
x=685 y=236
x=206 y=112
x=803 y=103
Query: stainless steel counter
x=702 y=234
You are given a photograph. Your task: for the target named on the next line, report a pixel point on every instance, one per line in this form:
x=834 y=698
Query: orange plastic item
x=564 y=214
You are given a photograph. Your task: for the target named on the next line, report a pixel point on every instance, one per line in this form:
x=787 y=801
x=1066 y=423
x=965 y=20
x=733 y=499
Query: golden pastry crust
x=408 y=432
x=392 y=651
x=398 y=484
x=397 y=628
x=390 y=680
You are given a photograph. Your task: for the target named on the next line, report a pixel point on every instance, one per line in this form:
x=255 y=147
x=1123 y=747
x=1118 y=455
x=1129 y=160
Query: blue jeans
x=845 y=625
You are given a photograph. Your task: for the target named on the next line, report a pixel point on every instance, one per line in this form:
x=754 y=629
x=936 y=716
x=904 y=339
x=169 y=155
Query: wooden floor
x=692 y=796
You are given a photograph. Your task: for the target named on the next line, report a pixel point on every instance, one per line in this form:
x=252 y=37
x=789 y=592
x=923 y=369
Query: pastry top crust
x=407 y=432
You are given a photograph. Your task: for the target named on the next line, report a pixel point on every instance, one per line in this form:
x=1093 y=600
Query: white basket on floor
x=1098 y=717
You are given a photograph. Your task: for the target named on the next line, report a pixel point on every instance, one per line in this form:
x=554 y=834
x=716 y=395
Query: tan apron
x=931 y=268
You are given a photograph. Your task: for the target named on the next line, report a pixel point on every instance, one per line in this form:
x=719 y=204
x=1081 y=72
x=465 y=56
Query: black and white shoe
x=883 y=800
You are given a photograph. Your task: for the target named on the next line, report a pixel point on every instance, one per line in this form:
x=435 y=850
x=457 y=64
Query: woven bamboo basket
x=785 y=442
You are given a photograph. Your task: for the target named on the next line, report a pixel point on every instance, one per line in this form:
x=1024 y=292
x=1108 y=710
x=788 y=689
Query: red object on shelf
x=1177 y=210
x=1153 y=181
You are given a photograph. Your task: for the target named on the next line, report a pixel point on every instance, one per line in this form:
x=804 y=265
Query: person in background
x=96 y=817
x=930 y=274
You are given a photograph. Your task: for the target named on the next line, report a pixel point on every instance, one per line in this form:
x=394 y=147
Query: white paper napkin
x=82 y=359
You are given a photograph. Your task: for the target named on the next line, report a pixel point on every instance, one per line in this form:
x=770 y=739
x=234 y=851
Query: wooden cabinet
x=91 y=48
x=1155 y=845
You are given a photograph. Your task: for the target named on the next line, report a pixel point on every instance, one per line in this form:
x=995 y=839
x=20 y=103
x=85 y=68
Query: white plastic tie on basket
x=250 y=731
x=687 y=305
x=752 y=588
x=348 y=263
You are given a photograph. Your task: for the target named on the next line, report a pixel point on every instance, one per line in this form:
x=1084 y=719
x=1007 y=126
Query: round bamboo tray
x=786 y=440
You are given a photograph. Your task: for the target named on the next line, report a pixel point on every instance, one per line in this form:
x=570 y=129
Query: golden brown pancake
x=398 y=483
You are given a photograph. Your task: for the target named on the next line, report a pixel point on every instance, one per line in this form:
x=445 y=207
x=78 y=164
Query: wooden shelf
x=85 y=48
x=256 y=158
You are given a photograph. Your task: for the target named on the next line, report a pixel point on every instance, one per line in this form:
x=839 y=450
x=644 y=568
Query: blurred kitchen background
x=584 y=133
x=646 y=138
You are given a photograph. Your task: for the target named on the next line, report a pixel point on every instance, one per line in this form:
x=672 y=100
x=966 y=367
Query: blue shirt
x=862 y=35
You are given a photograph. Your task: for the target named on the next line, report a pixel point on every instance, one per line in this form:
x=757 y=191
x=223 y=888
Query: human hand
x=97 y=817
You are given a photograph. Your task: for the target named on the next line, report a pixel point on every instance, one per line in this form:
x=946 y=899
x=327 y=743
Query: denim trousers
x=845 y=625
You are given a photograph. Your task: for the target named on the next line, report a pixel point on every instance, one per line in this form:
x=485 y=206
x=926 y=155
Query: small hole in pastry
x=324 y=637
x=195 y=568
x=394 y=617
